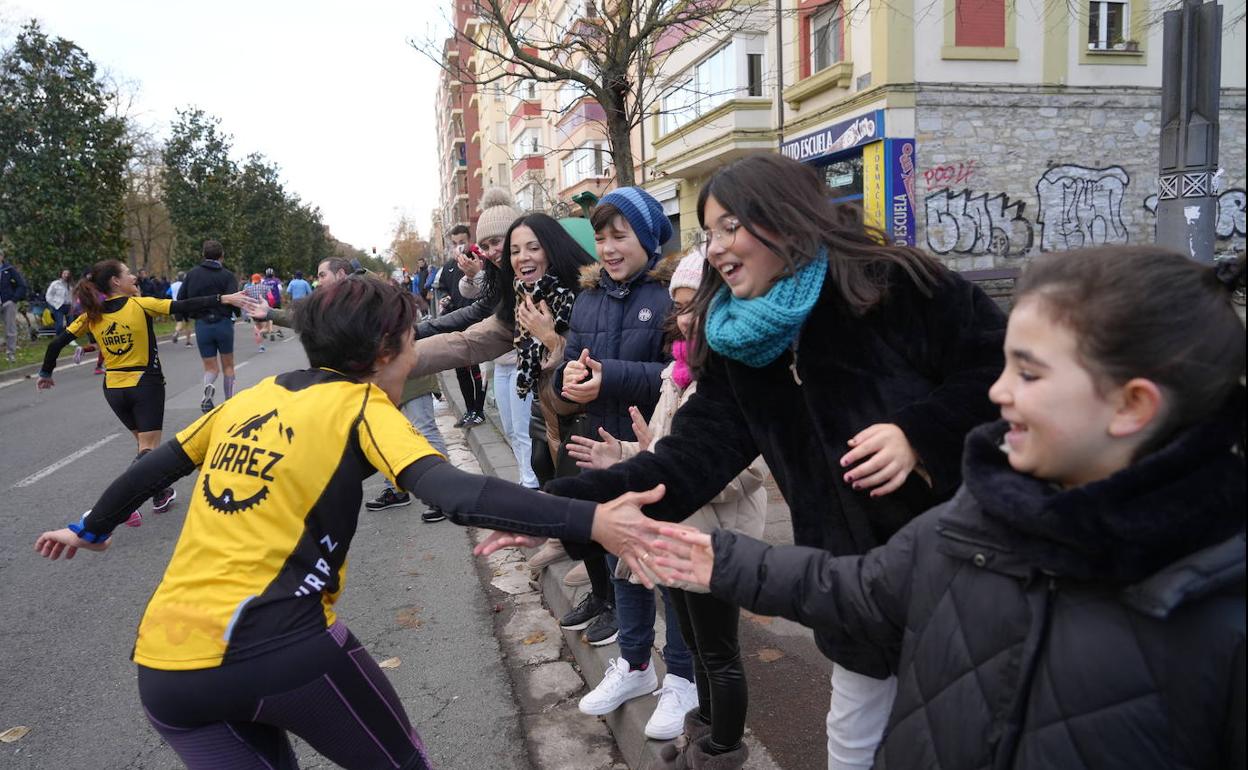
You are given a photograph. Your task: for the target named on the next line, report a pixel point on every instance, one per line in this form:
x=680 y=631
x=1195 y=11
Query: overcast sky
x=329 y=91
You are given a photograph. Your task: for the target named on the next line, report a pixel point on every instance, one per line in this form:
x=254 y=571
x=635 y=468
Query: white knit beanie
x=498 y=211
x=688 y=272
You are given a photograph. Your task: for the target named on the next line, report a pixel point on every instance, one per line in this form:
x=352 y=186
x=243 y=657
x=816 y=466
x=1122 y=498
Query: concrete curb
x=628 y=722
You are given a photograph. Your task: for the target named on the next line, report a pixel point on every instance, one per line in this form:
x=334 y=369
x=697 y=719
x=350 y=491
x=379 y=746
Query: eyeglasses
x=724 y=236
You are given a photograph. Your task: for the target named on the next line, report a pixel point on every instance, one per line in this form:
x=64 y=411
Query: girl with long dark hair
x=121 y=322
x=537 y=281
x=853 y=366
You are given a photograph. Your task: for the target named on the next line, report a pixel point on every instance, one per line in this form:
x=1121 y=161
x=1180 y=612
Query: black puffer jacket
x=924 y=363
x=621 y=324
x=1099 y=627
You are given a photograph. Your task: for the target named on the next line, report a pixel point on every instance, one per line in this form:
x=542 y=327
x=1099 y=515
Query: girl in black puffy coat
x=1080 y=601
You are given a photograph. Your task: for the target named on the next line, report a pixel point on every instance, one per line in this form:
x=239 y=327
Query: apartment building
x=981 y=130
x=459 y=160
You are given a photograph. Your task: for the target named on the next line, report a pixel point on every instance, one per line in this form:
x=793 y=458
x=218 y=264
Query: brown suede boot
x=673 y=756
x=698 y=758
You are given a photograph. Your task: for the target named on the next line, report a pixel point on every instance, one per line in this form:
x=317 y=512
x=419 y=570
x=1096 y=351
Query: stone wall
x=1007 y=172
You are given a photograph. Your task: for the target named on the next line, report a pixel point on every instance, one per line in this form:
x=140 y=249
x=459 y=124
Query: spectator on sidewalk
x=614 y=359
x=855 y=367
x=708 y=624
x=471 y=384
x=13 y=289
x=147 y=284
x=1080 y=601
x=59 y=298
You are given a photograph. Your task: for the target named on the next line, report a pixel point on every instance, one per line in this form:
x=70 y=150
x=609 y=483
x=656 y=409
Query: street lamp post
x=1191 y=79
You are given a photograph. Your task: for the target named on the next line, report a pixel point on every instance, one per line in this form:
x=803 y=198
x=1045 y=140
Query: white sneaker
x=677 y=697
x=618 y=685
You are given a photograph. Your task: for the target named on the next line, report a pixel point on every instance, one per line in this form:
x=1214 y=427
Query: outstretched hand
x=621 y=528
x=237 y=299
x=44 y=383
x=589 y=453
x=52 y=544
x=686 y=558
x=255 y=308
x=497 y=540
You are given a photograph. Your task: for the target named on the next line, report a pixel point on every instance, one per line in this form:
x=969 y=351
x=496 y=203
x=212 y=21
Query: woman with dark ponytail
x=121 y=322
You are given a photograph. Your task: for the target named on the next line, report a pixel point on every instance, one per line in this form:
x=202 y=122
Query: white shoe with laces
x=619 y=684
x=677 y=697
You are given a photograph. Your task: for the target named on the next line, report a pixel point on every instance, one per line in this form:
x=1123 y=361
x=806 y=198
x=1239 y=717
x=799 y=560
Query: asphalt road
x=412 y=590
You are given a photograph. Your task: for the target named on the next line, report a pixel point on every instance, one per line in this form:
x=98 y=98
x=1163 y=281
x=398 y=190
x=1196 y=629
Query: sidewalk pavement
x=787 y=675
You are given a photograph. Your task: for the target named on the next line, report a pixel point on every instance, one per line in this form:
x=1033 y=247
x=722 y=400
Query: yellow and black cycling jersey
x=124 y=332
x=261 y=557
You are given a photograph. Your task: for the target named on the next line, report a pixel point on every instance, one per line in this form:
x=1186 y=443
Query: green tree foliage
x=62 y=158
x=209 y=196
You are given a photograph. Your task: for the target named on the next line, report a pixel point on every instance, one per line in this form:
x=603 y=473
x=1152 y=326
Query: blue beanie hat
x=644 y=214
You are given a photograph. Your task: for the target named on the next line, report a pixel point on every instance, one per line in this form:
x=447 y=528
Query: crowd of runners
x=1020 y=540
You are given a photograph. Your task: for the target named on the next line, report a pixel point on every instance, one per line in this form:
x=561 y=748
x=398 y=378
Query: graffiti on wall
x=1081 y=206
x=949 y=175
x=1230 y=222
x=968 y=224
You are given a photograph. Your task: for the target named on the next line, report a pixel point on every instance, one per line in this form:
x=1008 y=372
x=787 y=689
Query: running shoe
x=206 y=405
x=390 y=498
x=135 y=520
x=188 y=340
x=462 y=421
x=99 y=370
x=162 y=501
x=262 y=349
x=604 y=630
x=272 y=337
x=174 y=339
x=433 y=515
x=580 y=616
x=78 y=355
x=619 y=684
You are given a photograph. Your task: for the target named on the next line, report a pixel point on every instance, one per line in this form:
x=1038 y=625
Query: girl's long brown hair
x=791 y=201
x=95 y=283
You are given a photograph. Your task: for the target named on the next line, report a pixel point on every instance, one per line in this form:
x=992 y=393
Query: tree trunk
x=619 y=135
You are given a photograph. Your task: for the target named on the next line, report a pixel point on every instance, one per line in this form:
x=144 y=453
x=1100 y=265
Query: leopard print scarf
x=529 y=351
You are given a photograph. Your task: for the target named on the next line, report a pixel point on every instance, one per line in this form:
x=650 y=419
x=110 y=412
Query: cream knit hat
x=498 y=211
x=688 y=272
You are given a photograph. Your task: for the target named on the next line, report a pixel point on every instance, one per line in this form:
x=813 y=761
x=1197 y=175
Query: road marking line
x=241 y=365
x=61 y=463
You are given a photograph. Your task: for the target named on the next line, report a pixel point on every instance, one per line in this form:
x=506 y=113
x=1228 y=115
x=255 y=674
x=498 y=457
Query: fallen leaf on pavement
x=535 y=637
x=769 y=654
x=389 y=663
x=407 y=617
x=13 y=734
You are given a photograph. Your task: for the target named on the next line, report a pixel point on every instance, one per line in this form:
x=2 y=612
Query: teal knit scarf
x=756 y=331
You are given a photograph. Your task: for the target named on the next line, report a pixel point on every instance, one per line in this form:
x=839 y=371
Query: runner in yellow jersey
x=121 y=321
x=239 y=643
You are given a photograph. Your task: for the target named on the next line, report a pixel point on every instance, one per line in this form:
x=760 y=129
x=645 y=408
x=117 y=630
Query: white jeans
x=514 y=412
x=857 y=717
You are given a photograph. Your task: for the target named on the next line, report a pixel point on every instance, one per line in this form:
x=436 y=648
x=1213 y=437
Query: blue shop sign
x=837 y=137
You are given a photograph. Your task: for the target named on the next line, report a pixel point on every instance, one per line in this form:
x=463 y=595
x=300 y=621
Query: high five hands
x=582 y=379
x=658 y=553
x=589 y=453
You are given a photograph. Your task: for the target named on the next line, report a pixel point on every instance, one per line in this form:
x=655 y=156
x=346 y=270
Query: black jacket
x=12 y=285
x=923 y=363
x=1096 y=627
x=621 y=324
x=207 y=278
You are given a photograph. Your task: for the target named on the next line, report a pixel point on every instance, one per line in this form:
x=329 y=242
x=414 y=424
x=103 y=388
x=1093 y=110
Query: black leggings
x=327 y=690
x=472 y=387
x=709 y=626
x=140 y=408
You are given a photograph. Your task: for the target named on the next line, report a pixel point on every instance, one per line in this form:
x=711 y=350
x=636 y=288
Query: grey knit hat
x=498 y=211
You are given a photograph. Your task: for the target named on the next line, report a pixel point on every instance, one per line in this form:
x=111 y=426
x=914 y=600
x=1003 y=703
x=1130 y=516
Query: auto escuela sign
x=837 y=137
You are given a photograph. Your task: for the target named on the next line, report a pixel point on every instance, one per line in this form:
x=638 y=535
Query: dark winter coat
x=923 y=363
x=621 y=324
x=1096 y=627
x=13 y=286
x=205 y=279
